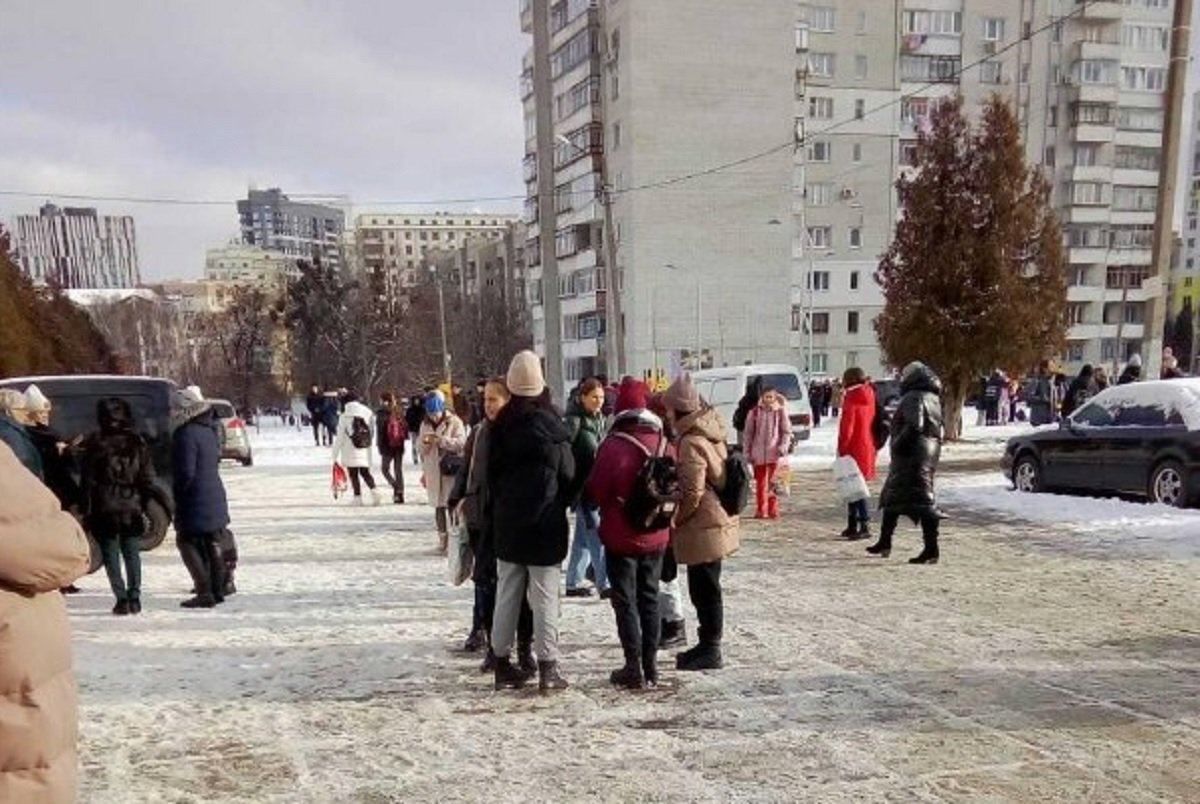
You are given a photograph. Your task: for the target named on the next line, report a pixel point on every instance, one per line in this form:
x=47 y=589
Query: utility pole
x=1164 y=221
x=442 y=322
x=614 y=314
x=543 y=89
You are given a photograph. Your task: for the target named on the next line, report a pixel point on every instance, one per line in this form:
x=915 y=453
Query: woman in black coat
x=916 y=446
x=531 y=480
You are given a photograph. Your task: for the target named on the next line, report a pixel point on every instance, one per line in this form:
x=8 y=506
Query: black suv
x=74 y=415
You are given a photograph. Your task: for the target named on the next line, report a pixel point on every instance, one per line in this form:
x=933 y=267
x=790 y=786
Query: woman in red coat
x=855 y=439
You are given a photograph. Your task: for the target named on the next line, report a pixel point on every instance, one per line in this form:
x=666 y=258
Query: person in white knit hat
x=531 y=481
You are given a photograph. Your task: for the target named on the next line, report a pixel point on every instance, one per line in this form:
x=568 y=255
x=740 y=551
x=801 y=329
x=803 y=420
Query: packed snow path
x=1020 y=668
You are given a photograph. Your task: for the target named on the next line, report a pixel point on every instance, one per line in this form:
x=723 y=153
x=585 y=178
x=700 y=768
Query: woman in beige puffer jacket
x=702 y=534
x=42 y=549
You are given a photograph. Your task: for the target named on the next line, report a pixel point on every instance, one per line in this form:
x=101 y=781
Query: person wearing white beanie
x=531 y=481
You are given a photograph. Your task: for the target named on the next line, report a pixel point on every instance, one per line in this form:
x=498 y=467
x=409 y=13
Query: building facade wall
x=271 y=220
x=77 y=249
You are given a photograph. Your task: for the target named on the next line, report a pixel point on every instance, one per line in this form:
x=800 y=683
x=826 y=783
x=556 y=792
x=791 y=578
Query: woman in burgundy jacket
x=856 y=440
x=634 y=557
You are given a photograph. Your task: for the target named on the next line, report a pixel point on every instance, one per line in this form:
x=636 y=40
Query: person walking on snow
x=42 y=550
x=391 y=436
x=747 y=403
x=635 y=557
x=916 y=438
x=768 y=438
x=118 y=482
x=1043 y=400
x=201 y=507
x=352 y=447
x=703 y=534
x=531 y=477
x=1078 y=392
x=856 y=439
x=313 y=403
x=443 y=438
x=414 y=414
x=1132 y=372
x=585 y=426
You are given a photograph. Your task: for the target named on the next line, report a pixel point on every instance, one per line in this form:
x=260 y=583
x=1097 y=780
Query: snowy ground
x=1036 y=663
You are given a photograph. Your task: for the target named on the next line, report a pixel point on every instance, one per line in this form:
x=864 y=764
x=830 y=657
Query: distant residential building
x=249 y=265
x=74 y=247
x=192 y=297
x=392 y=245
x=271 y=220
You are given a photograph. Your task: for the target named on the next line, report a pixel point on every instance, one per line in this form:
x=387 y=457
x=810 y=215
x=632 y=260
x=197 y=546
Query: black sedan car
x=1141 y=439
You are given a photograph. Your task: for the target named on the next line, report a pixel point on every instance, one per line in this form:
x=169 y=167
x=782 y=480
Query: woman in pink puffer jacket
x=767 y=439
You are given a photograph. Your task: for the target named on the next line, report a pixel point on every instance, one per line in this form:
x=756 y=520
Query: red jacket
x=612 y=481
x=854 y=428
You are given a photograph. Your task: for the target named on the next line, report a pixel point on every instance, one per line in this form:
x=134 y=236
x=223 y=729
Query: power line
x=795 y=142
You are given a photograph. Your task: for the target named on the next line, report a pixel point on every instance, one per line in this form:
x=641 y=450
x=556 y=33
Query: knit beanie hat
x=435 y=403
x=631 y=395
x=525 y=376
x=682 y=396
x=35 y=400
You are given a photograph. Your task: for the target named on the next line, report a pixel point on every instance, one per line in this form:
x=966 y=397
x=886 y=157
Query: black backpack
x=735 y=494
x=651 y=504
x=360 y=433
x=881 y=427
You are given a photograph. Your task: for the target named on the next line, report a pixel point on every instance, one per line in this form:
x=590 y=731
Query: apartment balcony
x=931 y=69
x=1095 y=132
x=1132 y=217
x=1087 y=255
x=1094 y=331
x=1085 y=293
x=582 y=347
x=1099 y=213
x=1105 y=51
x=1131 y=256
x=526 y=84
x=581 y=303
x=1094 y=93
x=1135 y=178
x=1140 y=139
x=529 y=167
x=1111 y=10
x=1092 y=173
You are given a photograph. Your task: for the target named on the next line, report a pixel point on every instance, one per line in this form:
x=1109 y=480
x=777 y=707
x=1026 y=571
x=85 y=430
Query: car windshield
x=786 y=384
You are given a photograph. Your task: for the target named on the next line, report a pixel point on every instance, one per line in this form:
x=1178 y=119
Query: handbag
x=450 y=464
x=460 y=559
x=851 y=486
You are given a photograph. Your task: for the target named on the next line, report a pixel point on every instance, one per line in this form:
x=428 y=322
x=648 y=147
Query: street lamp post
x=442 y=323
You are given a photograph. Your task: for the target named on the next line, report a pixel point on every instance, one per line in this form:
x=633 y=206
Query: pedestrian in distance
x=314 y=403
x=837 y=398
x=635 y=554
x=443 y=439
x=747 y=403
x=352 y=447
x=531 y=477
x=1078 y=392
x=815 y=402
x=1170 y=367
x=1043 y=398
x=15 y=435
x=916 y=446
x=42 y=549
x=670 y=591
x=414 y=414
x=331 y=409
x=703 y=533
x=391 y=437
x=768 y=440
x=53 y=451
x=585 y=426
x=201 y=506
x=118 y=483
x=1132 y=372
x=1099 y=380
x=471 y=497
x=856 y=438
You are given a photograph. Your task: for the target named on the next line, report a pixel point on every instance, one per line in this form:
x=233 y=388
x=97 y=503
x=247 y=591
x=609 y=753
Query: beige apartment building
x=664 y=89
x=1088 y=81
x=243 y=264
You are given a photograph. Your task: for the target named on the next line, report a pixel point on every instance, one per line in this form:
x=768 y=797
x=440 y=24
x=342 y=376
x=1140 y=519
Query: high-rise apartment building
x=299 y=229
x=1088 y=81
x=663 y=90
x=1188 y=269
x=75 y=248
x=391 y=245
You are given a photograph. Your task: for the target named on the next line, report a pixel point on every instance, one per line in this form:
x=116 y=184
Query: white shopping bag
x=460 y=560
x=851 y=486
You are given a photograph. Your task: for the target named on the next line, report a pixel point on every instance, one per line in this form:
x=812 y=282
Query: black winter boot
x=526 y=659
x=650 y=668
x=507 y=676
x=122 y=608
x=548 y=678
x=864 y=530
x=673 y=635
x=629 y=676
x=929 y=554
x=851 y=530
x=881 y=548
x=199 y=602
x=705 y=656
x=135 y=605
x=476 y=641
x=489 y=662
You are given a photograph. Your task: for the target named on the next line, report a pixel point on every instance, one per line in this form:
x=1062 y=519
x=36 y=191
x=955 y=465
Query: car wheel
x=1027 y=474
x=95 y=557
x=157 y=522
x=1168 y=485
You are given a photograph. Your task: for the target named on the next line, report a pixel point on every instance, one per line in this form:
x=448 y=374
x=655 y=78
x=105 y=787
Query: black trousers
x=634 y=584
x=316 y=426
x=205 y=562
x=392 y=466
x=929 y=529
x=357 y=472
x=704 y=586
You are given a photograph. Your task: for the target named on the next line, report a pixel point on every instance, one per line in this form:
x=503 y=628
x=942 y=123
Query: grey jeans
x=540 y=584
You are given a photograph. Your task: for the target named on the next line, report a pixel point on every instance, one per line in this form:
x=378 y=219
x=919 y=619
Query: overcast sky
x=376 y=99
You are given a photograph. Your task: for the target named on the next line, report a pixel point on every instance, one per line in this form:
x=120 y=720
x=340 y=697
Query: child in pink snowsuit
x=767 y=439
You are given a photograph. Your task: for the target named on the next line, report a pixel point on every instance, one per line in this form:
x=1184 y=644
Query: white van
x=723 y=388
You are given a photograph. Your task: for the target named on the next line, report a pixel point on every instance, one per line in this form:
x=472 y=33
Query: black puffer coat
x=531 y=474
x=118 y=470
x=200 y=503
x=916 y=440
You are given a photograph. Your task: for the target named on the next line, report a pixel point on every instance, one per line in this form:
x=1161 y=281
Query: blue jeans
x=859 y=512
x=586 y=549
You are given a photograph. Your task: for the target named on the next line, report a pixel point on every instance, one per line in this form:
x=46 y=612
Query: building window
x=862 y=23
x=991 y=72
x=993 y=29
x=860 y=67
x=1075 y=352
x=797 y=317
x=855 y=237
x=1086 y=153
x=1087 y=193
x=820 y=237
x=821 y=65
x=1144 y=79
x=908 y=153
x=1146 y=37
x=1050 y=155
x=615 y=86
x=820 y=362
x=1094 y=71
x=852 y=322
x=860 y=109
x=820 y=108
x=942 y=23
x=822 y=19
x=616 y=136
x=1131 y=157
x=820 y=323
x=820 y=195
x=1133 y=118
x=1135 y=199
x=857 y=152
x=819 y=280
x=854 y=280
x=820 y=151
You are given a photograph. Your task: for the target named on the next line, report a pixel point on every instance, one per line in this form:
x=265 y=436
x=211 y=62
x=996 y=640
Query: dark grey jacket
x=916 y=446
